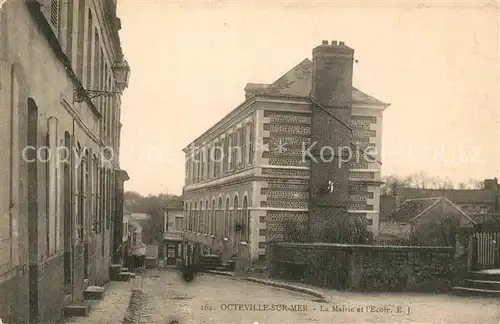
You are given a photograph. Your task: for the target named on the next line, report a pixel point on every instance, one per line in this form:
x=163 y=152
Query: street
x=210 y=298
x=219 y=299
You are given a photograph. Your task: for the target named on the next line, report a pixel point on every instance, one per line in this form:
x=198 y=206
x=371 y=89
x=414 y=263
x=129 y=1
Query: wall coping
x=336 y=246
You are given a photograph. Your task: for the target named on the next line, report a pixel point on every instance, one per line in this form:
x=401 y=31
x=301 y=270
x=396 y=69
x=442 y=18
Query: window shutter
x=54 y=13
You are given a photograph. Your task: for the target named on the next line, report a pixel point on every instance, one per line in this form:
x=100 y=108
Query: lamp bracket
x=80 y=95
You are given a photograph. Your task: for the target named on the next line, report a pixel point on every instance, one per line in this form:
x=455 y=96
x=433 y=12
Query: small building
x=136 y=247
x=424 y=221
x=482 y=205
x=172 y=234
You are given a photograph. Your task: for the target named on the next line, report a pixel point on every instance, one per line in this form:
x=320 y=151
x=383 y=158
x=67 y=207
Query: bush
x=346 y=230
x=343 y=230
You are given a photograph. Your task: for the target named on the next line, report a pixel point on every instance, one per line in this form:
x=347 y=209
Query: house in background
x=482 y=205
x=424 y=221
x=172 y=234
x=136 y=247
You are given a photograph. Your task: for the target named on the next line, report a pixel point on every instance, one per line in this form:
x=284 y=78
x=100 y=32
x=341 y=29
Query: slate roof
x=412 y=209
x=298 y=81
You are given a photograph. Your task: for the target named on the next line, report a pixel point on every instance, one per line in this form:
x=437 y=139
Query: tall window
x=52 y=187
x=217 y=157
x=95 y=171
x=190 y=217
x=103 y=197
x=109 y=200
x=207 y=219
x=195 y=216
x=98 y=175
x=234 y=217
x=209 y=162
x=112 y=111
x=87 y=163
x=226 y=219
x=81 y=41
x=201 y=223
x=251 y=144
x=230 y=153
x=90 y=28
x=242 y=145
x=107 y=100
x=82 y=198
x=218 y=219
x=69 y=29
x=225 y=166
x=246 y=220
x=76 y=196
x=211 y=227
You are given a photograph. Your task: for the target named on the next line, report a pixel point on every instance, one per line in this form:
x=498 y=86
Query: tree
x=423 y=181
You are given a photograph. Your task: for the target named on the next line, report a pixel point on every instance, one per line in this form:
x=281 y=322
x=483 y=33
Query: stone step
x=483 y=284
x=475 y=291
x=114 y=270
x=483 y=275
x=213 y=256
x=94 y=293
x=125 y=276
x=77 y=310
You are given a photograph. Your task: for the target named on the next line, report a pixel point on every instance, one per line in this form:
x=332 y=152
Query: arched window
x=186 y=214
x=218 y=220
x=234 y=216
x=195 y=216
x=212 y=217
x=207 y=219
x=226 y=220
x=246 y=221
x=189 y=218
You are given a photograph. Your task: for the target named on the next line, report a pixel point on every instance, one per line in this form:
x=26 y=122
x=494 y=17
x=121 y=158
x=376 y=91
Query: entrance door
x=171 y=254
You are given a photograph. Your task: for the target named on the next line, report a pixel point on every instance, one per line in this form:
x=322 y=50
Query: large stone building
x=270 y=177
x=60 y=186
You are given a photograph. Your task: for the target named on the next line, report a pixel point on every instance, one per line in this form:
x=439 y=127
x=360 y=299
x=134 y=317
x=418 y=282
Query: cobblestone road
x=168 y=297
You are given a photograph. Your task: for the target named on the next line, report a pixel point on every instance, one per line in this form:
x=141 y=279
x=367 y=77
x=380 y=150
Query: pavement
x=111 y=309
x=212 y=298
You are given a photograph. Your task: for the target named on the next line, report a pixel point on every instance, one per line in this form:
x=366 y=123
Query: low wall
x=365 y=267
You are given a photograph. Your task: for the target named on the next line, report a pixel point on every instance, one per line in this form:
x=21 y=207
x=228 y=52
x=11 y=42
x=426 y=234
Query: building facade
x=251 y=173
x=173 y=220
x=58 y=198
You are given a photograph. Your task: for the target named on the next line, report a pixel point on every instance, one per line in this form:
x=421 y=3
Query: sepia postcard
x=254 y=162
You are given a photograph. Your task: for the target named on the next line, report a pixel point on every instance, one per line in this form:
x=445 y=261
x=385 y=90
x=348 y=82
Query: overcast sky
x=436 y=64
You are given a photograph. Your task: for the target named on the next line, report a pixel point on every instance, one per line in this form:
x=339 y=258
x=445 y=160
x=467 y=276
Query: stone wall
x=364 y=267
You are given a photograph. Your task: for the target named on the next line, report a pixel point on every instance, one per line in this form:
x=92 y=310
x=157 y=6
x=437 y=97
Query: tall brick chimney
x=331 y=94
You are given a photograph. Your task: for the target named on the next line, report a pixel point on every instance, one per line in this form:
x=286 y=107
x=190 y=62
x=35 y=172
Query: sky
x=437 y=64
